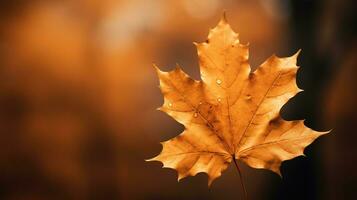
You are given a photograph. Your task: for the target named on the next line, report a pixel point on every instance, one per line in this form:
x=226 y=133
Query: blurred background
x=78 y=96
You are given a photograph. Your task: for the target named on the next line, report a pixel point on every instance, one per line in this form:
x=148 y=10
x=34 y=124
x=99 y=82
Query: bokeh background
x=78 y=96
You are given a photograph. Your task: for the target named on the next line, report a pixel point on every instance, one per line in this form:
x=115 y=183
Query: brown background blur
x=78 y=96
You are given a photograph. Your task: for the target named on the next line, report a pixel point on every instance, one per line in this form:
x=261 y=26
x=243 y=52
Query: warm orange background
x=78 y=96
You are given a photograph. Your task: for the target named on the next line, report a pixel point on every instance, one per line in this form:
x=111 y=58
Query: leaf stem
x=240 y=177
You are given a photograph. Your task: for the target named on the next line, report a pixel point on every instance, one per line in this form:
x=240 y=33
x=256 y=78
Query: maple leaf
x=233 y=113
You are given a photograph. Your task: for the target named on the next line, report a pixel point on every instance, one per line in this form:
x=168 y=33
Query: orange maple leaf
x=233 y=113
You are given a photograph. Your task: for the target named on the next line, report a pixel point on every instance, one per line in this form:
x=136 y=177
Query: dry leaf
x=232 y=113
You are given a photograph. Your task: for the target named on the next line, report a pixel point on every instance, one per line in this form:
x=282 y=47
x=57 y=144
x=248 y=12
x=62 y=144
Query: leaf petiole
x=240 y=177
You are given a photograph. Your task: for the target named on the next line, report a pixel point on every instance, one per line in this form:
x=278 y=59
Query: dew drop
x=219 y=99
x=200 y=103
x=195 y=115
x=170 y=104
x=218 y=81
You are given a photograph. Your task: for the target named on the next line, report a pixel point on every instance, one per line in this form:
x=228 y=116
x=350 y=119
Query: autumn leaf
x=233 y=113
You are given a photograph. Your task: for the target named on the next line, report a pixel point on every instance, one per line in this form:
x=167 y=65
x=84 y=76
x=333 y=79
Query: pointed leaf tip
x=224 y=17
x=296 y=55
x=177 y=67
x=156 y=68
